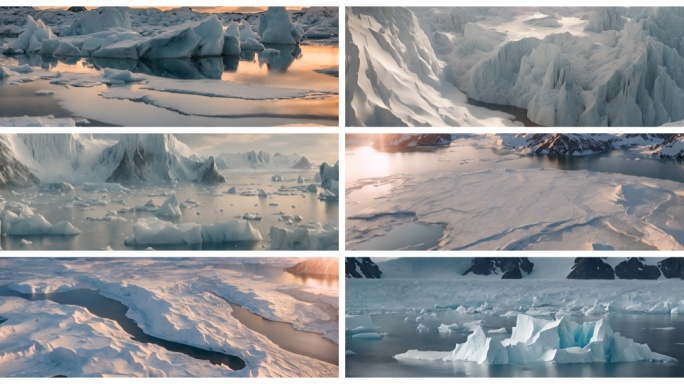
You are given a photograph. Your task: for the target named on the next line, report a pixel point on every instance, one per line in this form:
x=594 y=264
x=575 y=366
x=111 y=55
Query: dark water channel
x=107 y=308
x=519 y=114
x=287 y=337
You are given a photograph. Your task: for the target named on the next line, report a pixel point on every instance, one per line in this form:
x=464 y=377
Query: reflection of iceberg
x=184 y=69
x=539 y=340
x=279 y=57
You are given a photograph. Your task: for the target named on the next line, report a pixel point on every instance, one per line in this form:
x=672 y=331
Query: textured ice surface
x=536 y=340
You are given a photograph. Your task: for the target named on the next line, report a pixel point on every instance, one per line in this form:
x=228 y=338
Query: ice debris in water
x=540 y=340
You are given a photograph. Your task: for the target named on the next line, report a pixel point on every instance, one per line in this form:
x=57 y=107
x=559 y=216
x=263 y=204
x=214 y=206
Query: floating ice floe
x=56 y=187
x=539 y=340
x=150 y=231
x=109 y=216
x=19 y=220
x=170 y=208
x=305 y=237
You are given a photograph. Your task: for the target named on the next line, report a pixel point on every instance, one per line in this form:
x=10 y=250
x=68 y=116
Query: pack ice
x=538 y=340
x=108 y=33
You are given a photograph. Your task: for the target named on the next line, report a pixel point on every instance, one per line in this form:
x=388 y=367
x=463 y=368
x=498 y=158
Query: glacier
x=602 y=66
x=562 y=341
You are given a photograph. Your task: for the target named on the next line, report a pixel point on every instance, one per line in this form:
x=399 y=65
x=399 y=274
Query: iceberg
x=170 y=208
x=561 y=341
x=305 y=237
x=19 y=220
x=99 y=20
x=31 y=39
x=276 y=27
x=198 y=39
x=152 y=231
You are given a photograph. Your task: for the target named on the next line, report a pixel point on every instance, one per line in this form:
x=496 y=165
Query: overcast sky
x=316 y=147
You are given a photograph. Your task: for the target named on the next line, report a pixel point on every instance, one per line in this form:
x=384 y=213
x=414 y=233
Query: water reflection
x=277 y=59
x=280 y=59
x=114 y=310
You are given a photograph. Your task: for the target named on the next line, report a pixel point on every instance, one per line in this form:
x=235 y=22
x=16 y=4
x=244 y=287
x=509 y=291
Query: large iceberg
x=150 y=231
x=31 y=39
x=540 y=340
x=305 y=237
x=100 y=19
x=198 y=39
x=276 y=27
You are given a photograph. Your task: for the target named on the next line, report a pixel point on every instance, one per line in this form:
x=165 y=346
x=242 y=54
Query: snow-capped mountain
x=257 y=160
x=316 y=266
x=664 y=146
x=399 y=141
x=672 y=147
x=154 y=157
x=583 y=268
x=127 y=158
x=12 y=172
x=632 y=268
x=508 y=267
x=559 y=144
x=360 y=267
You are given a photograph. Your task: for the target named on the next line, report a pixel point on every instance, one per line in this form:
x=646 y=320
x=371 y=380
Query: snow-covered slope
x=256 y=160
x=13 y=173
x=393 y=75
x=581 y=268
x=567 y=67
x=128 y=158
x=316 y=266
x=153 y=157
x=399 y=141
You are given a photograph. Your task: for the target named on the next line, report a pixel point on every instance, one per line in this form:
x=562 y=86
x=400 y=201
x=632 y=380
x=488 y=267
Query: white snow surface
x=531 y=209
x=185 y=305
x=554 y=294
x=534 y=339
x=566 y=67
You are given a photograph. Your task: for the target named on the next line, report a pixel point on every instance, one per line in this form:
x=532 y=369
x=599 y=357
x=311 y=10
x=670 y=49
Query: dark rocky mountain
x=399 y=141
x=360 y=267
x=569 y=144
x=591 y=268
x=672 y=267
x=208 y=172
x=634 y=268
x=508 y=267
x=672 y=147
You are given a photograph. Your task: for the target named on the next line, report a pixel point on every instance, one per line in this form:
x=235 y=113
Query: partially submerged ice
x=151 y=231
x=539 y=340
